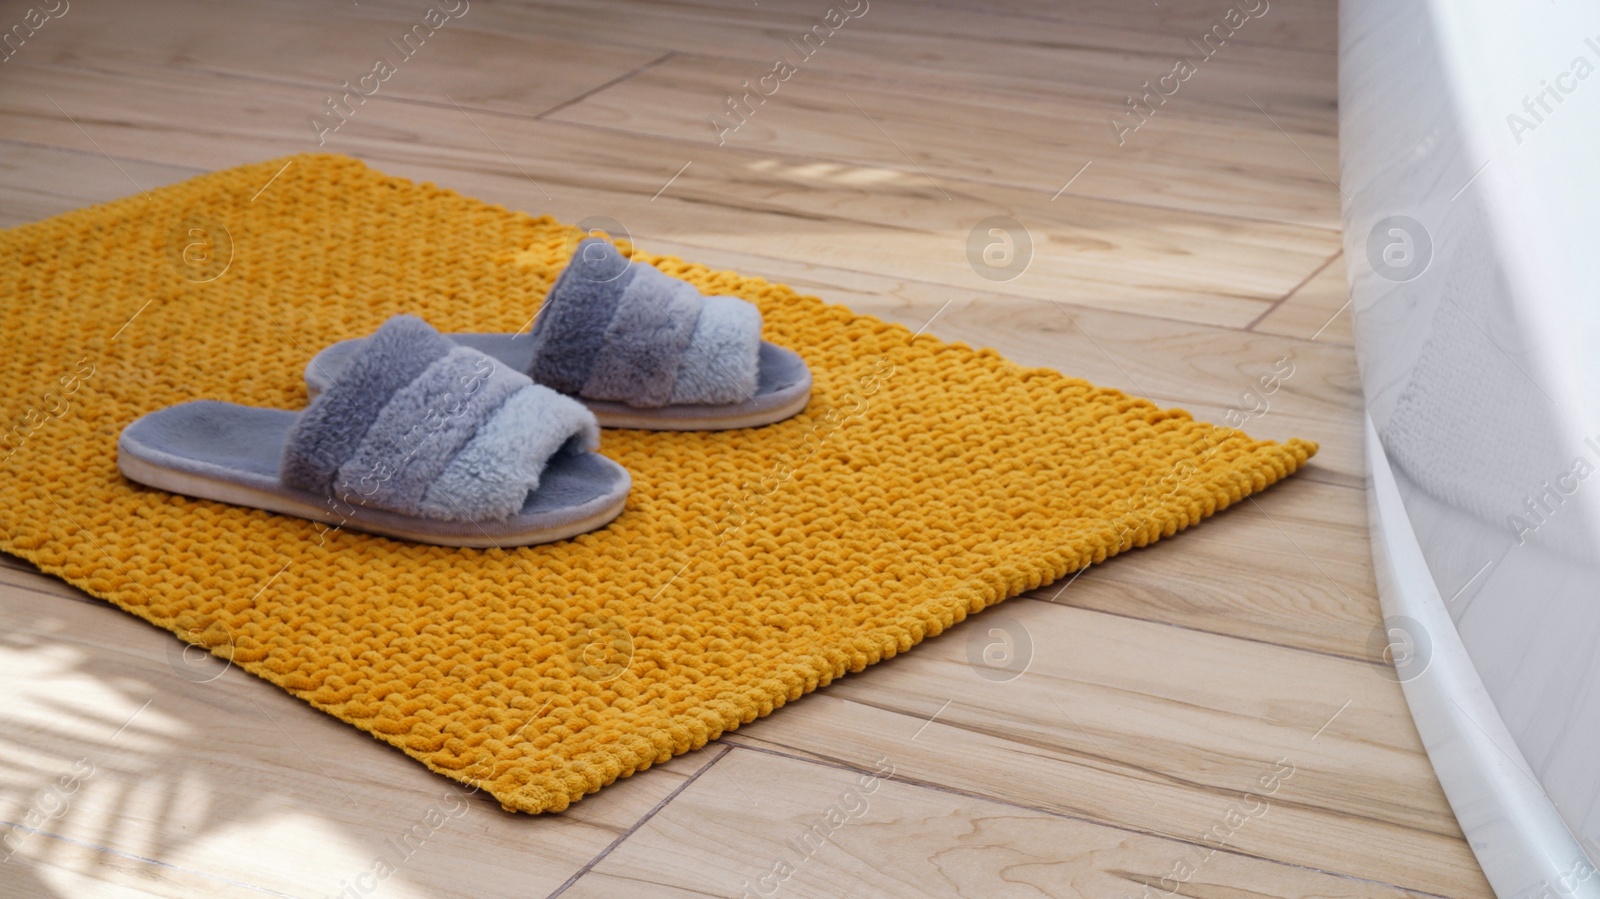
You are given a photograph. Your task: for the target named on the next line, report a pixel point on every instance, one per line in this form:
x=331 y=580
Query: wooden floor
x=1206 y=717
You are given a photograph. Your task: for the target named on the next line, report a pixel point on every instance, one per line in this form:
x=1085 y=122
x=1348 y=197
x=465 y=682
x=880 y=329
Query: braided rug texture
x=926 y=481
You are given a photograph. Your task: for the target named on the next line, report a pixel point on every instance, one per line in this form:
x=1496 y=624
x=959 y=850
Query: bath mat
x=925 y=482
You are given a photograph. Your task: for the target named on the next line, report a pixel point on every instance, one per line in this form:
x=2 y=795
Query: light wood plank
x=37 y=182
x=1153 y=728
x=526 y=58
x=993 y=137
x=218 y=777
x=1222 y=271
x=522 y=73
x=1302 y=24
x=1292 y=569
x=755 y=816
x=1319 y=308
x=1072 y=60
x=60 y=877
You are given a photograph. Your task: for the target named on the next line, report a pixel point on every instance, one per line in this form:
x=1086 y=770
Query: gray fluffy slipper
x=418 y=438
x=640 y=348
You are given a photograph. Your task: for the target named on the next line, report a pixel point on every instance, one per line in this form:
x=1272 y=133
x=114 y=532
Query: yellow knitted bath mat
x=926 y=481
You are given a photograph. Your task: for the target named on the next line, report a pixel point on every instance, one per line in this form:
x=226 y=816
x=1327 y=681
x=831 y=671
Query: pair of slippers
x=484 y=440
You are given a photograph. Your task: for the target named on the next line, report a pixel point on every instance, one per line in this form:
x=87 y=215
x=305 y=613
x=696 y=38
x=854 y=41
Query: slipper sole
x=241 y=469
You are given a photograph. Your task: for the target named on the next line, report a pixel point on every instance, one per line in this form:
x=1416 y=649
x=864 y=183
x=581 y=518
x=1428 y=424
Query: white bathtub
x=1470 y=141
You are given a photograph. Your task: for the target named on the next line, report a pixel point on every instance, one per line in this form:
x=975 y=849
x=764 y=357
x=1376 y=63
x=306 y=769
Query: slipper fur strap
x=570 y=328
x=627 y=332
x=421 y=426
x=328 y=432
x=494 y=473
x=645 y=341
x=721 y=364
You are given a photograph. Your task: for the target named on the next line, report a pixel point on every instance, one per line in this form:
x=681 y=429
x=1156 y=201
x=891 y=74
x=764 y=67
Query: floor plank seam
x=1200 y=630
x=543 y=118
x=1158 y=777
x=137 y=67
x=1054 y=813
x=856 y=75
x=85 y=599
x=1059 y=752
x=589 y=866
x=588 y=37
x=915 y=88
x=1075 y=307
x=25 y=143
x=768 y=153
x=612 y=83
x=1131 y=29
x=1293 y=290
